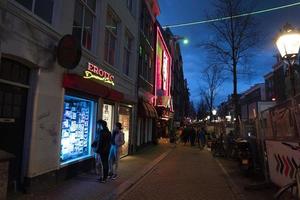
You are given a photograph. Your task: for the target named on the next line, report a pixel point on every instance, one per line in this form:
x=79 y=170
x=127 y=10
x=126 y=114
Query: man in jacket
x=103 y=149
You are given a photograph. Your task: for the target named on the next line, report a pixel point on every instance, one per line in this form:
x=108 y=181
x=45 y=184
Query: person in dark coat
x=192 y=135
x=103 y=149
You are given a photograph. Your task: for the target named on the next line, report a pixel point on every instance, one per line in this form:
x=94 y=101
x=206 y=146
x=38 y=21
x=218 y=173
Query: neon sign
x=94 y=72
x=165 y=70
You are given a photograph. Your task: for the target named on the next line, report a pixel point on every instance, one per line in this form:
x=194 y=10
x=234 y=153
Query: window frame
x=32 y=10
x=128 y=43
x=85 y=6
x=108 y=35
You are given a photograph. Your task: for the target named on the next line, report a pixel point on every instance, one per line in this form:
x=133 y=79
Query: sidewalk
x=85 y=186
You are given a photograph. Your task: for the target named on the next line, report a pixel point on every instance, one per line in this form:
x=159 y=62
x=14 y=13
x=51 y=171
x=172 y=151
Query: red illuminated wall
x=162 y=72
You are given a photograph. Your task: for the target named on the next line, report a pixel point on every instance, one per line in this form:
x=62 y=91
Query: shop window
x=127 y=52
x=111 y=35
x=108 y=115
x=42 y=8
x=77 y=127
x=83 y=23
x=125 y=119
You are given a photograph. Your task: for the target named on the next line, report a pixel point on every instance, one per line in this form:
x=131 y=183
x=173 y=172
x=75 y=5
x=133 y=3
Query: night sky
x=194 y=58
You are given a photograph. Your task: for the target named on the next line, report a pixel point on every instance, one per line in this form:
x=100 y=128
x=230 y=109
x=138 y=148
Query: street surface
x=186 y=173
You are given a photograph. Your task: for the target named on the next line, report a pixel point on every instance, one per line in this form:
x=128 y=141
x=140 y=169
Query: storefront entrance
x=14 y=80
x=125 y=119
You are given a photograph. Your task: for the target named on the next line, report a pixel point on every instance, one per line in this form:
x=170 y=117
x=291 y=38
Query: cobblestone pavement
x=186 y=173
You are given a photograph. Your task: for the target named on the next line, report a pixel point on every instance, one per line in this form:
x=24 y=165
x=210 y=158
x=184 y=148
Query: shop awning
x=146 y=110
x=73 y=81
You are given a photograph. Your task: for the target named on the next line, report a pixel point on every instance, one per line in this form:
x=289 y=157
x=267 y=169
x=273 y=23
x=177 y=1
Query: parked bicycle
x=290 y=191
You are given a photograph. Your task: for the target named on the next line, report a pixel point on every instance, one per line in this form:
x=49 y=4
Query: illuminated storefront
x=125 y=120
x=77 y=128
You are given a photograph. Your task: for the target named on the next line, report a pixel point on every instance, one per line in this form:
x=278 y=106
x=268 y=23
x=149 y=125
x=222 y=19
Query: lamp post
x=288 y=44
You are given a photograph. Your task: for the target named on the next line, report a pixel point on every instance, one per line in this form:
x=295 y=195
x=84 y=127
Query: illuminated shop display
x=125 y=119
x=94 y=72
x=108 y=115
x=77 y=126
x=162 y=72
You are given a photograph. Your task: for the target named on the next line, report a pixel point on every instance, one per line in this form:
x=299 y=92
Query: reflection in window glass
x=77 y=23
x=83 y=22
x=77 y=126
x=44 y=9
x=92 y=4
x=26 y=3
x=88 y=29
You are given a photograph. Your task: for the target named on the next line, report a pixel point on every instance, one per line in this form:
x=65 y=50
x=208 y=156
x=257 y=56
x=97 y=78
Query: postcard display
x=77 y=127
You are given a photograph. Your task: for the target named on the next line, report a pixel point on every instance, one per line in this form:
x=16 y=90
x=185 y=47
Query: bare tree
x=202 y=109
x=214 y=78
x=233 y=38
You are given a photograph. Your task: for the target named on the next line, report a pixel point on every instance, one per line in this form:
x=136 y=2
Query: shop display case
x=77 y=127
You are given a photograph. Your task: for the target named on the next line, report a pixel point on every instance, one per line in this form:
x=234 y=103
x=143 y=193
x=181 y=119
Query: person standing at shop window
x=103 y=149
x=117 y=140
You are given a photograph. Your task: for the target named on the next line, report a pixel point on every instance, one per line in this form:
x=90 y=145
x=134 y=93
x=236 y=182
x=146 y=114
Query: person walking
x=103 y=149
x=117 y=140
x=202 y=138
x=192 y=135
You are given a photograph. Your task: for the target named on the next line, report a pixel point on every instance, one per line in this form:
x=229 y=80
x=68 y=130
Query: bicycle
x=292 y=190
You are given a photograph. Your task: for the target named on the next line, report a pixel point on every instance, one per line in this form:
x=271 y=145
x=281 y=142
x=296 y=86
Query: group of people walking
x=107 y=147
x=194 y=135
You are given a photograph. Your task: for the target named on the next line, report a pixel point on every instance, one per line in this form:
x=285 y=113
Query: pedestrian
x=202 y=137
x=192 y=135
x=103 y=149
x=117 y=140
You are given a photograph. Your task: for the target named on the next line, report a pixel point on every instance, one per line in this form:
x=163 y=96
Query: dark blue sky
x=194 y=58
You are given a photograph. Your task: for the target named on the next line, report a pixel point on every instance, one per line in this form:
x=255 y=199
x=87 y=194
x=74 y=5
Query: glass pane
x=112 y=46
x=26 y=3
x=106 y=42
x=112 y=24
x=108 y=115
x=16 y=112
x=77 y=127
x=77 y=23
x=92 y=4
x=44 y=9
x=88 y=30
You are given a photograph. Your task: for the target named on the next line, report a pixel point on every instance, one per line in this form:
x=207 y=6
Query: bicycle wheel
x=287 y=192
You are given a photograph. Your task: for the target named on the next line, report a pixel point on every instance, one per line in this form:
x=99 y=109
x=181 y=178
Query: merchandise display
x=76 y=129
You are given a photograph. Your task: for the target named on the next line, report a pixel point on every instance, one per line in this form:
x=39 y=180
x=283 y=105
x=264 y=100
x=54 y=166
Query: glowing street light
x=186 y=41
x=288 y=44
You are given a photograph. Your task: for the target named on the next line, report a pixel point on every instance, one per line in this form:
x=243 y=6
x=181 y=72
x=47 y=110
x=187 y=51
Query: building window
x=111 y=33
x=42 y=8
x=131 y=6
x=127 y=52
x=83 y=23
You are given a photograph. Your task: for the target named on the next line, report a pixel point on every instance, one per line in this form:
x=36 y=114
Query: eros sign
x=94 y=72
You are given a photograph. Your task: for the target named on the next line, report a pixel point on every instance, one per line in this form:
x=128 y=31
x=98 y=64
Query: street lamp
x=288 y=44
x=185 y=40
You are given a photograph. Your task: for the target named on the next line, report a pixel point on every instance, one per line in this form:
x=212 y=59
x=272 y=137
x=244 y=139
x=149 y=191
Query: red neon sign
x=162 y=73
x=94 y=72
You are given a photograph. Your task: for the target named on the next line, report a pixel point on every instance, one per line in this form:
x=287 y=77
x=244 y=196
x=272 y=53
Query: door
x=13 y=102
